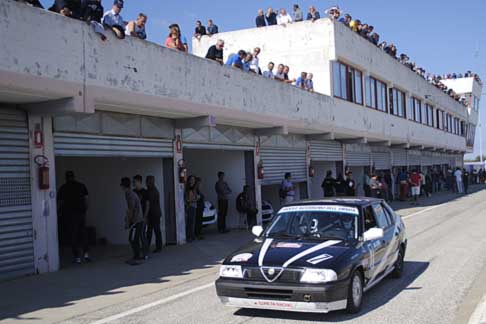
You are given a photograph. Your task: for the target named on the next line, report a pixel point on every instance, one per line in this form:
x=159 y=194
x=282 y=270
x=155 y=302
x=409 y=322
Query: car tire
x=399 y=264
x=355 y=293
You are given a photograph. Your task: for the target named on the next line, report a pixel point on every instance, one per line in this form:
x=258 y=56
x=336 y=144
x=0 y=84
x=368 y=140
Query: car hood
x=290 y=253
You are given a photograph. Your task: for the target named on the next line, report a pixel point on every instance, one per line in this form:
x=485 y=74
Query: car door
x=387 y=243
x=375 y=248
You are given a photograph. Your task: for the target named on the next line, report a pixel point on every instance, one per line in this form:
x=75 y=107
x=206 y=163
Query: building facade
x=69 y=101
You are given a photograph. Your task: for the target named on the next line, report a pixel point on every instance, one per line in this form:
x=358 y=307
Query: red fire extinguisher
x=182 y=171
x=260 y=170
x=43 y=171
x=312 y=171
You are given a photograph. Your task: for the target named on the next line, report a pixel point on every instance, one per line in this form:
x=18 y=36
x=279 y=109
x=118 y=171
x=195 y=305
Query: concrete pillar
x=180 y=212
x=308 y=158
x=44 y=206
x=258 y=182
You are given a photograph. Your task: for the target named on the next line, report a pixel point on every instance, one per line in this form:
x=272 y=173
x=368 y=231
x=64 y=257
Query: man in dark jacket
x=328 y=185
x=350 y=185
x=154 y=213
x=244 y=205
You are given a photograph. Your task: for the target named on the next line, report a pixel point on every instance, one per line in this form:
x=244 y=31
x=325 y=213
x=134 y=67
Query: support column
x=44 y=205
x=308 y=165
x=258 y=182
x=180 y=213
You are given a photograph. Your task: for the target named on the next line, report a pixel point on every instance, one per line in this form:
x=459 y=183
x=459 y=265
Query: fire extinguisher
x=260 y=170
x=182 y=171
x=312 y=171
x=43 y=171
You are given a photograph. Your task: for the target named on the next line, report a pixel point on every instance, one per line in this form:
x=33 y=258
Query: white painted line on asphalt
x=479 y=314
x=153 y=304
x=423 y=211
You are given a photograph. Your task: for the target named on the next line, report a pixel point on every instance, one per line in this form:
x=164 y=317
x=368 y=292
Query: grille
x=288 y=275
x=14 y=192
x=275 y=294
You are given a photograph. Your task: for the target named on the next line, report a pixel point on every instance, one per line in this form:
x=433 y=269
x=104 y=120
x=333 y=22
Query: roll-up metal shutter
x=426 y=159
x=326 y=151
x=16 y=240
x=414 y=157
x=358 y=155
x=70 y=144
x=399 y=157
x=381 y=160
x=277 y=161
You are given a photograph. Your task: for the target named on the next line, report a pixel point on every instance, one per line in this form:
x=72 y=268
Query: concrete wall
x=207 y=163
x=107 y=204
x=152 y=80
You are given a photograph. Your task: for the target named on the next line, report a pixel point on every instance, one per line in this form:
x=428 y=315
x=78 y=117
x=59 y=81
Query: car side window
x=381 y=217
x=389 y=214
x=369 y=218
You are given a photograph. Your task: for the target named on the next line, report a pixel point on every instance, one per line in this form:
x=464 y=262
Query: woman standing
x=174 y=40
x=191 y=198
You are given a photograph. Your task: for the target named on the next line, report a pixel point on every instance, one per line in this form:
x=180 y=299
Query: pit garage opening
x=99 y=162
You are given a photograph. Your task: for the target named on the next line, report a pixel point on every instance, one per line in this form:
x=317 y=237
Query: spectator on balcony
x=260 y=19
x=391 y=50
x=286 y=71
x=93 y=11
x=68 y=8
x=280 y=75
x=271 y=17
x=309 y=83
x=174 y=41
x=269 y=73
x=346 y=19
x=284 y=18
x=136 y=28
x=300 y=82
x=333 y=13
x=200 y=30
x=374 y=38
x=255 y=62
x=298 y=15
x=354 y=25
x=236 y=60
x=215 y=52
x=313 y=14
x=33 y=3
x=183 y=38
x=364 y=30
x=212 y=28
x=383 y=45
x=245 y=63
x=114 y=21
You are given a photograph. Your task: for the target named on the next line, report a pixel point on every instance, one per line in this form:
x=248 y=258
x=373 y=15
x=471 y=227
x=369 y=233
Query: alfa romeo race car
x=316 y=256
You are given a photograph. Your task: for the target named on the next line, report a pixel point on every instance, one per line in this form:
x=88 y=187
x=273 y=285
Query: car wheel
x=355 y=293
x=399 y=264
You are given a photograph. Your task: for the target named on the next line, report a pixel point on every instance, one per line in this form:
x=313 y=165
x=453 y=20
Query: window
x=369 y=218
x=424 y=114
x=440 y=119
x=415 y=110
x=463 y=128
x=397 y=102
x=375 y=94
x=430 y=115
x=380 y=216
x=410 y=110
x=389 y=212
x=348 y=83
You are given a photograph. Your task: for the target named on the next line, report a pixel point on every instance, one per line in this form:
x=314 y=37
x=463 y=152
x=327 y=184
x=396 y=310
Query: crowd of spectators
x=92 y=12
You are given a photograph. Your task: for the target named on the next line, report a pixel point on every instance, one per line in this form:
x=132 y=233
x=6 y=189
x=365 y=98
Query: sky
x=442 y=36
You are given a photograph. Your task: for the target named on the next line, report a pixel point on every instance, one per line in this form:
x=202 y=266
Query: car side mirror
x=373 y=234
x=257 y=230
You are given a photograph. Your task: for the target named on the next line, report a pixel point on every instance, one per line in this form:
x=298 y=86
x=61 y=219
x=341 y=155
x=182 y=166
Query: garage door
x=381 y=160
x=326 y=151
x=278 y=161
x=399 y=157
x=16 y=240
x=71 y=144
x=358 y=155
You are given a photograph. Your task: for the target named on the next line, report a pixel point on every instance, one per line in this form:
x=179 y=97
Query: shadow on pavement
x=378 y=296
x=112 y=276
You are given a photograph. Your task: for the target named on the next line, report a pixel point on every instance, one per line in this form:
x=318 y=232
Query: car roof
x=346 y=201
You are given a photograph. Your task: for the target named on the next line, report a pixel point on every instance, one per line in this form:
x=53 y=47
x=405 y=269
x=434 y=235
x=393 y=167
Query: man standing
x=284 y=18
x=328 y=184
x=313 y=14
x=367 y=184
x=72 y=198
x=114 y=21
x=465 y=180
x=215 y=52
x=223 y=191
x=212 y=29
x=199 y=210
x=298 y=16
x=133 y=221
x=260 y=19
x=402 y=180
x=200 y=30
x=245 y=205
x=350 y=185
x=287 y=191
x=153 y=214
x=415 y=181
x=459 y=183
x=236 y=60
x=137 y=28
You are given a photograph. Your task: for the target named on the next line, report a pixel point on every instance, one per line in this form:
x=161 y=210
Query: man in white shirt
x=460 y=185
x=284 y=18
x=255 y=62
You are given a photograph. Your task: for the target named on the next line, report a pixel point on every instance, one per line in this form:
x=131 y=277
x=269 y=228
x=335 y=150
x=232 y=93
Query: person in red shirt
x=415 y=181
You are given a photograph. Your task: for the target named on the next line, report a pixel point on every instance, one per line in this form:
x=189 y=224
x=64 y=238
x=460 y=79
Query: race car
x=316 y=256
x=210 y=214
x=267 y=211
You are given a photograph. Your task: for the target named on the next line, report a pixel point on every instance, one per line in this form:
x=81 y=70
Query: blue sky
x=440 y=35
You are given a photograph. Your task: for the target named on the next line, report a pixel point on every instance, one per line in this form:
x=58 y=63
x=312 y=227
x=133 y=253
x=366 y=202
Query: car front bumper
x=285 y=297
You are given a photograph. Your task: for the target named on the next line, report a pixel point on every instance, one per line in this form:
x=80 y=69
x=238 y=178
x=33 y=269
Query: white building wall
x=107 y=204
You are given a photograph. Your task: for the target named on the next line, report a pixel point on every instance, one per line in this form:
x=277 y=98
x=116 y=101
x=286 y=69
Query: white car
x=267 y=211
x=210 y=214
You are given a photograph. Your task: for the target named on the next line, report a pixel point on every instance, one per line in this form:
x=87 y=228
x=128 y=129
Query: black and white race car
x=316 y=256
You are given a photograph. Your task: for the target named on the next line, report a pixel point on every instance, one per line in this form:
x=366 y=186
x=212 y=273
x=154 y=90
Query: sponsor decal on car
x=320 y=258
x=320 y=208
x=288 y=245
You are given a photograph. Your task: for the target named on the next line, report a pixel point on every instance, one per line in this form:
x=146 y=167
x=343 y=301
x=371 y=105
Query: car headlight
x=231 y=271
x=318 y=276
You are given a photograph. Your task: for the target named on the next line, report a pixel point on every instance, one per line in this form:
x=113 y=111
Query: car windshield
x=315 y=222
